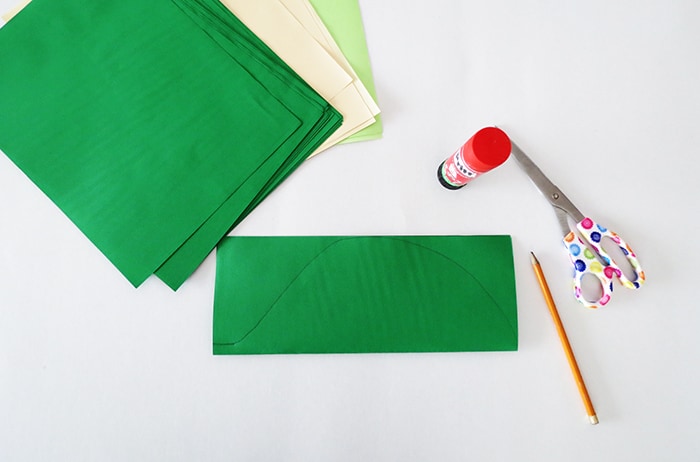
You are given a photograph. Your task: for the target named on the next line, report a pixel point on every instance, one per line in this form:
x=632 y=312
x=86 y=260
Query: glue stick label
x=456 y=171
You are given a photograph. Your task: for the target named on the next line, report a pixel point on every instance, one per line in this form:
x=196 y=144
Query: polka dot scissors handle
x=585 y=246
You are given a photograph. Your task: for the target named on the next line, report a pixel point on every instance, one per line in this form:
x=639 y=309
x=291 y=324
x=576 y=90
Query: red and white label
x=456 y=171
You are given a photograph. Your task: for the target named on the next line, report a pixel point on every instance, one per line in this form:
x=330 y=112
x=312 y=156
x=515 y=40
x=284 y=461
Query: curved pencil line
x=454 y=262
x=325 y=249
x=284 y=291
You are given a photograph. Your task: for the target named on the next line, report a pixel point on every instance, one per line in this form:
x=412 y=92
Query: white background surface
x=602 y=95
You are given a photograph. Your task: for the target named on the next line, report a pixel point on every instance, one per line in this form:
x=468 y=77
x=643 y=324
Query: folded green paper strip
x=154 y=126
x=364 y=294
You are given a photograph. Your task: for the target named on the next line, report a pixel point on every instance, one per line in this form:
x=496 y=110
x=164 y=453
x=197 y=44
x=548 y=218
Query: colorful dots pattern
x=585 y=261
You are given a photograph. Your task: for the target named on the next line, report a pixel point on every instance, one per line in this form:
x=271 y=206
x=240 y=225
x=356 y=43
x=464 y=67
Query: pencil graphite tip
x=533 y=259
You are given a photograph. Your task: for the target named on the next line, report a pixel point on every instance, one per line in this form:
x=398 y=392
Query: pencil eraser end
x=593 y=419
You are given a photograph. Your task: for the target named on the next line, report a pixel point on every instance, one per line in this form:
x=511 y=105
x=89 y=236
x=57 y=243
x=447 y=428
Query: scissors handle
x=585 y=261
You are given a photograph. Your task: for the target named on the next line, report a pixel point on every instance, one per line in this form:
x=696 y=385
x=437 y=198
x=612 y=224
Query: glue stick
x=486 y=150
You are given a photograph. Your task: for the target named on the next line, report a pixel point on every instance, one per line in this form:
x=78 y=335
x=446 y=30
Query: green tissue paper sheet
x=154 y=126
x=364 y=294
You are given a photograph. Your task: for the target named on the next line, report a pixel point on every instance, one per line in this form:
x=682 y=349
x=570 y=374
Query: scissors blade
x=556 y=198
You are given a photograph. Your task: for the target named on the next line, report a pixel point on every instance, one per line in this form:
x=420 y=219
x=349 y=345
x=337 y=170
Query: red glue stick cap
x=487 y=149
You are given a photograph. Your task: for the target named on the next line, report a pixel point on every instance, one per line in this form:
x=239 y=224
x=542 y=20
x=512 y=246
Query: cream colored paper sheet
x=273 y=23
x=304 y=12
x=5 y=17
x=285 y=35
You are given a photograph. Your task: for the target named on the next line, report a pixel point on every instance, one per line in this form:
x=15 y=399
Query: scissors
x=585 y=247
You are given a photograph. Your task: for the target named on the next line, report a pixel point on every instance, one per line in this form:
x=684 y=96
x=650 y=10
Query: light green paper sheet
x=364 y=294
x=343 y=19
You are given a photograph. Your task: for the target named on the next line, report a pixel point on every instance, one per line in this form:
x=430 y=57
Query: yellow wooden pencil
x=564 y=339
